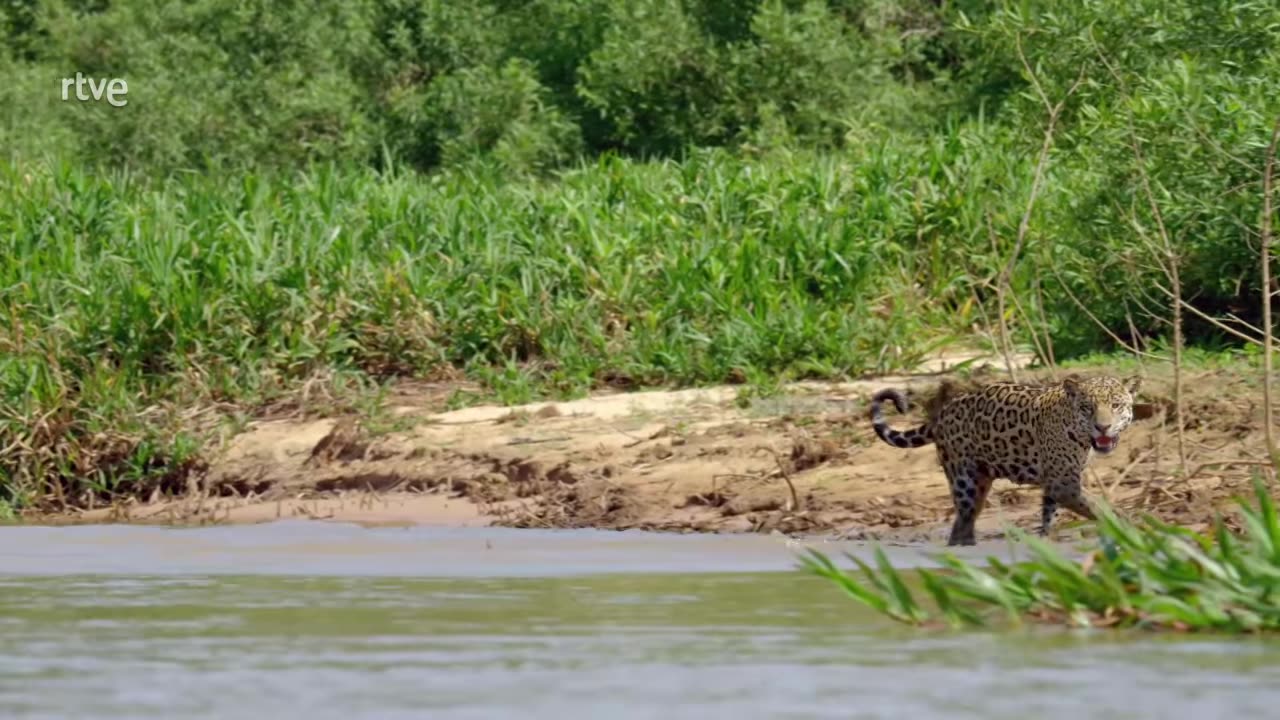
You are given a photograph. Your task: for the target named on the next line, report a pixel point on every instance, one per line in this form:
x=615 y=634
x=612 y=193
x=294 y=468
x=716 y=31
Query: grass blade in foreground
x=1147 y=574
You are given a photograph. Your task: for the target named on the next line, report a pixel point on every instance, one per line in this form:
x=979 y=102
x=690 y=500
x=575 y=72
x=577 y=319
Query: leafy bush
x=505 y=115
x=224 y=83
x=1196 y=86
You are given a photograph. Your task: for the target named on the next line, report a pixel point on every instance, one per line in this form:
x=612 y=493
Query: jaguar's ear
x=1071 y=384
x=1132 y=384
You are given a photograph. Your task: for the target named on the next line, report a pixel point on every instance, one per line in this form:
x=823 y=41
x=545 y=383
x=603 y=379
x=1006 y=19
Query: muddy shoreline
x=801 y=463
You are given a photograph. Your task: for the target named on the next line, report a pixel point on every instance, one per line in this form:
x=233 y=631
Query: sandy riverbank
x=688 y=460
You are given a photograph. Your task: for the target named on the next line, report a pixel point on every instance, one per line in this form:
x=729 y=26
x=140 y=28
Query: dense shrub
x=237 y=82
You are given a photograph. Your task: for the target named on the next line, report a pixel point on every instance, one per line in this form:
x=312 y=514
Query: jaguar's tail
x=913 y=438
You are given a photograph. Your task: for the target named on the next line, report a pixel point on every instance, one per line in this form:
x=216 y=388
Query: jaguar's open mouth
x=1103 y=444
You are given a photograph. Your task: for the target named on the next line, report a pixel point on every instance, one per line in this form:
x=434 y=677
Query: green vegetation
x=1147 y=575
x=551 y=195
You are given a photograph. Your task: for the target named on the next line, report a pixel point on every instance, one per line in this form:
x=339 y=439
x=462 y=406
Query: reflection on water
x=177 y=642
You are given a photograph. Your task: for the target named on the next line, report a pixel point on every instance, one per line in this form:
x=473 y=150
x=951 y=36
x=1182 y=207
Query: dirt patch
x=802 y=462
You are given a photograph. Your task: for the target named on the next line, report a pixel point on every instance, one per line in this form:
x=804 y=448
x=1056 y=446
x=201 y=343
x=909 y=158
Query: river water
x=317 y=620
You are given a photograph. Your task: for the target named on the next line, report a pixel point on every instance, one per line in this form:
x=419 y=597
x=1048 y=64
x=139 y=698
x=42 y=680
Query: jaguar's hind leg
x=969 y=488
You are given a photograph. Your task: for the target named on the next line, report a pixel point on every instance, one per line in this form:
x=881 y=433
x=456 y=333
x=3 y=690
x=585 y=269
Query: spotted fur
x=1030 y=434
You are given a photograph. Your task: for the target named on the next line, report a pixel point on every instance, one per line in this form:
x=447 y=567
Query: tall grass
x=124 y=301
x=1144 y=575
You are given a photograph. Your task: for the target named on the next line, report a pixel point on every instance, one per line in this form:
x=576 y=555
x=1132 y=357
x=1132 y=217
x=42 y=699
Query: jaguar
x=1030 y=434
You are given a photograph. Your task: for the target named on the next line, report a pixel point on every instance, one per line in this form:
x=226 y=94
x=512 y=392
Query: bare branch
x=1215 y=321
x=1268 y=411
x=1133 y=328
x=1006 y=348
x=1171 y=259
x=1044 y=321
x=1085 y=309
x=1053 y=112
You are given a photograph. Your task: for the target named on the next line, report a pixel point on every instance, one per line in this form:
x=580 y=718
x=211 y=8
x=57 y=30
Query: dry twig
x=1268 y=410
x=1167 y=258
x=1053 y=111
